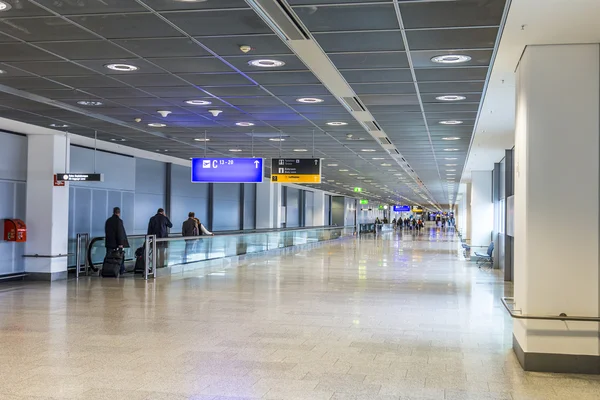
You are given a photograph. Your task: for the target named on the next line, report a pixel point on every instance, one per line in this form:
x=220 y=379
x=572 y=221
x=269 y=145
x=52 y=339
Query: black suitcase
x=140 y=262
x=112 y=264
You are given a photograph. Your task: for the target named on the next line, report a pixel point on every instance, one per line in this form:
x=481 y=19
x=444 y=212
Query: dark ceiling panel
x=378 y=75
x=439 y=87
x=422 y=59
x=370 y=60
x=85 y=49
x=26 y=83
x=209 y=80
x=91 y=6
x=127 y=26
x=163 y=47
x=230 y=45
x=383 y=88
x=290 y=77
x=452 y=74
x=462 y=13
x=355 y=18
x=52 y=68
x=164 y=5
x=191 y=65
x=23 y=52
x=151 y=80
x=42 y=28
x=213 y=23
x=476 y=38
x=335 y=42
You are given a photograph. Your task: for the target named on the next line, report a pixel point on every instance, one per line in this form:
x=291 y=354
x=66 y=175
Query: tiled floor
x=392 y=318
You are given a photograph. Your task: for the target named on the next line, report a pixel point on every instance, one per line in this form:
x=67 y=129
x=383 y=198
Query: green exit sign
x=357 y=189
x=364 y=202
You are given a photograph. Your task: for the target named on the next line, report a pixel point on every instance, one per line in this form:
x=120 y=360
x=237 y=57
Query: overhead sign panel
x=296 y=170
x=227 y=170
x=401 y=208
x=79 y=177
x=364 y=201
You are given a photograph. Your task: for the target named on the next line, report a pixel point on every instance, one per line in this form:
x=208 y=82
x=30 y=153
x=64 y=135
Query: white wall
x=482 y=208
x=557 y=167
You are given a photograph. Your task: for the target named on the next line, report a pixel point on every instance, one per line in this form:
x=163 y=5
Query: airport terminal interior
x=299 y=199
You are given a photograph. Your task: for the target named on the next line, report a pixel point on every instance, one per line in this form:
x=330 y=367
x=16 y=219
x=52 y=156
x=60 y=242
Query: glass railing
x=178 y=250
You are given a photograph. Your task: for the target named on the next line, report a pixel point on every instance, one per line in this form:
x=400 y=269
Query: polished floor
x=394 y=317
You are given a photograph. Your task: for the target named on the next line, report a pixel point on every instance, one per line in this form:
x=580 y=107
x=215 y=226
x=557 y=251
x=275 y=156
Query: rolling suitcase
x=140 y=262
x=112 y=264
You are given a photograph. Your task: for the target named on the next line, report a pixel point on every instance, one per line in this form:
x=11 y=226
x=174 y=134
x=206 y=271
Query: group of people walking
x=159 y=225
x=410 y=223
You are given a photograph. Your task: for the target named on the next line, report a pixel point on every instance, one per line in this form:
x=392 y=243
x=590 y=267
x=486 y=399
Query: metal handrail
x=560 y=317
x=242 y=233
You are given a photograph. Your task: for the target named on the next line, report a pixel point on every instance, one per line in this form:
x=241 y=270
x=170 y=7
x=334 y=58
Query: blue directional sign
x=401 y=208
x=227 y=170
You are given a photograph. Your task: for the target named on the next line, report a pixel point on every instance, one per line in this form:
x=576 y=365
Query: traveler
x=115 y=235
x=385 y=220
x=159 y=225
x=190 y=226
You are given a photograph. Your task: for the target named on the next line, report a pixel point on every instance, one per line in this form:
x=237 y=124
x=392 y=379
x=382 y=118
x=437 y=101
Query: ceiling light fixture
x=337 y=123
x=244 y=123
x=368 y=150
x=332 y=165
x=450 y=98
x=118 y=140
x=451 y=59
x=450 y=158
x=386 y=165
x=202 y=140
x=2 y=71
x=235 y=150
x=451 y=165
x=343 y=170
x=451 y=138
x=122 y=67
x=59 y=126
x=4 y=6
x=378 y=158
x=265 y=63
x=300 y=150
x=451 y=122
x=352 y=174
x=276 y=139
x=156 y=125
x=90 y=103
x=310 y=100
x=451 y=149
x=198 y=102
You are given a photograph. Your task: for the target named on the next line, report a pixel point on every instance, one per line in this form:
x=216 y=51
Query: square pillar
x=482 y=209
x=47 y=208
x=557 y=154
x=319 y=209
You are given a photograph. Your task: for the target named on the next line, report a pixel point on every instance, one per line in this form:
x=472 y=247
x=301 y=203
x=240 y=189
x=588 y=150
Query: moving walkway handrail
x=560 y=317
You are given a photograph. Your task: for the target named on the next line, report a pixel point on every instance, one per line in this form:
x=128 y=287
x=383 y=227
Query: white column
x=319 y=209
x=482 y=209
x=556 y=170
x=47 y=208
x=264 y=205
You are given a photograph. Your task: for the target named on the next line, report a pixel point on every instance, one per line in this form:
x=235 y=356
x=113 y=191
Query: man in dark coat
x=159 y=225
x=115 y=235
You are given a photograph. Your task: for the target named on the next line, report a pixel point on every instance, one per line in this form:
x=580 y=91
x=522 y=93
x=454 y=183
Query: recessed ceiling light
x=451 y=149
x=450 y=170
x=202 y=140
x=159 y=150
x=244 y=123
x=4 y=6
x=368 y=150
x=157 y=125
x=300 y=150
x=352 y=174
x=451 y=138
x=265 y=63
x=118 y=140
x=451 y=98
x=2 y=71
x=451 y=165
x=451 y=59
x=337 y=123
x=235 y=150
x=450 y=158
x=276 y=139
x=451 y=122
x=59 y=126
x=398 y=174
x=378 y=158
x=122 y=67
x=90 y=103
x=386 y=165
x=311 y=100
x=332 y=165
x=198 y=102
x=343 y=170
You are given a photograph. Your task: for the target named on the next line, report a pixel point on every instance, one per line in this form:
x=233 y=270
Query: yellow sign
x=282 y=178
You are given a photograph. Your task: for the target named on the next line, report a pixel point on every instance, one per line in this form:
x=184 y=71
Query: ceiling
x=529 y=22
x=54 y=54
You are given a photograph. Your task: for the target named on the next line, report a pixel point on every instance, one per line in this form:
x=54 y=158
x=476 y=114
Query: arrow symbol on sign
x=256 y=163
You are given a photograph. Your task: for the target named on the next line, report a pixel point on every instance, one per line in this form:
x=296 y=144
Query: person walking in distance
x=115 y=235
x=192 y=227
x=159 y=225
